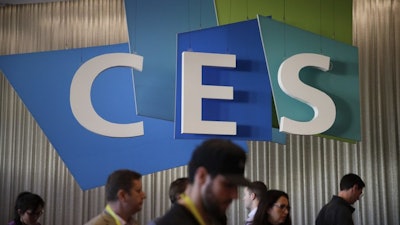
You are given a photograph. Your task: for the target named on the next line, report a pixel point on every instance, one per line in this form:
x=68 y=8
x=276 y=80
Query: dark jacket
x=179 y=214
x=336 y=212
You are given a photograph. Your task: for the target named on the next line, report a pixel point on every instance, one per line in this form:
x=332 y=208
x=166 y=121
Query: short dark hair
x=120 y=179
x=259 y=188
x=177 y=187
x=26 y=201
x=349 y=180
x=219 y=157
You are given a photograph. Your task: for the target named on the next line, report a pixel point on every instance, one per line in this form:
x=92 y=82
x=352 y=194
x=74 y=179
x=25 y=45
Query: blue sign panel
x=43 y=82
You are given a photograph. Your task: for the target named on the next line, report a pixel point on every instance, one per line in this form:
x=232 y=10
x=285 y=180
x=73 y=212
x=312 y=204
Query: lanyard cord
x=192 y=208
x=113 y=215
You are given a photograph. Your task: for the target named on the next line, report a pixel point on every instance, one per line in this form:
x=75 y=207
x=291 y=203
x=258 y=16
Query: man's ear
x=201 y=175
x=354 y=189
x=121 y=194
x=253 y=196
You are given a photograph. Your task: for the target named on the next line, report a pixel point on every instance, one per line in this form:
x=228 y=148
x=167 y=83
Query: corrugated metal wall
x=308 y=168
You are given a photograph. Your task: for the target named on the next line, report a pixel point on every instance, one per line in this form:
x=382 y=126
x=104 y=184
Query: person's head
x=216 y=169
x=273 y=209
x=177 y=187
x=125 y=187
x=253 y=193
x=351 y=187
x=28 y=208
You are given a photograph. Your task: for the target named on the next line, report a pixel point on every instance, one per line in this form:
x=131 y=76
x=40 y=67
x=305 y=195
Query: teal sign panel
x=153 y=27
x=341 y=82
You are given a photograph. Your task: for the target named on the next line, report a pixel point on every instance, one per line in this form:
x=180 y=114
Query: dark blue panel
x=251 y=107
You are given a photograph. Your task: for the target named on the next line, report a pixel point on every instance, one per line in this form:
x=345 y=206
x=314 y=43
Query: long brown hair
x=266 y=203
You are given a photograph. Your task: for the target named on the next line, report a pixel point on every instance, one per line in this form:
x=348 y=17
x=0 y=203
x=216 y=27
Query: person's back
x=339 y=210
x=176 y=188
x=336 y=212
x=178 y=214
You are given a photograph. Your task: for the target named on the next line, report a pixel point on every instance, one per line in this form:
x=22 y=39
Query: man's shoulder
x=178 y=214
x=340 y=204
x=101 y=219
x=337 y=211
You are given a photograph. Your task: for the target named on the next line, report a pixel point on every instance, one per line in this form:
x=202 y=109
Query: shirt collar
x=123 y=222
x=251 y=214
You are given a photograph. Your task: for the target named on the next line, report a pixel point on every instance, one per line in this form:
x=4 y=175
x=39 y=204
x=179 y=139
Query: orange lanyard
x=192 y=208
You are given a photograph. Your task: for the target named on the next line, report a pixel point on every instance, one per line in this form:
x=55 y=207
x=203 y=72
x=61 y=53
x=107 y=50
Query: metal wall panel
x=308 y=168
x=27 y=160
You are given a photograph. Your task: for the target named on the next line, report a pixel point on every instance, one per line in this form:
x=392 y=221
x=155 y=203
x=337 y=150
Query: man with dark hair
x=177 y=188
x=215 y=170
x=124 y=196
x=339 y=210
x=252 y=196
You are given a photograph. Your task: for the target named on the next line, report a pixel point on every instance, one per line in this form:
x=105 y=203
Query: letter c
x=80 y=100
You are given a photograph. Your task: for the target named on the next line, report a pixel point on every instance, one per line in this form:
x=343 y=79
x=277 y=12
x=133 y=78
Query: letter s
x=323 y=106
x=80 y=99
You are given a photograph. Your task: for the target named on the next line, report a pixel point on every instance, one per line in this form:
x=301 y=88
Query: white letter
x=193 y=91
x=323 y=106
x=80 y=99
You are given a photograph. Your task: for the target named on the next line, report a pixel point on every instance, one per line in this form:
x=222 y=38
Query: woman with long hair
x=28 y=208
x=273 y=209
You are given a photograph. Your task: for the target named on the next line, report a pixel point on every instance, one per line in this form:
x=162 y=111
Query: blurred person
x=251 y=198
x=177 y=188
x=28 y=209
x=339 y=210
x=124 y=196
x=216 y=169
x=273 y=209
